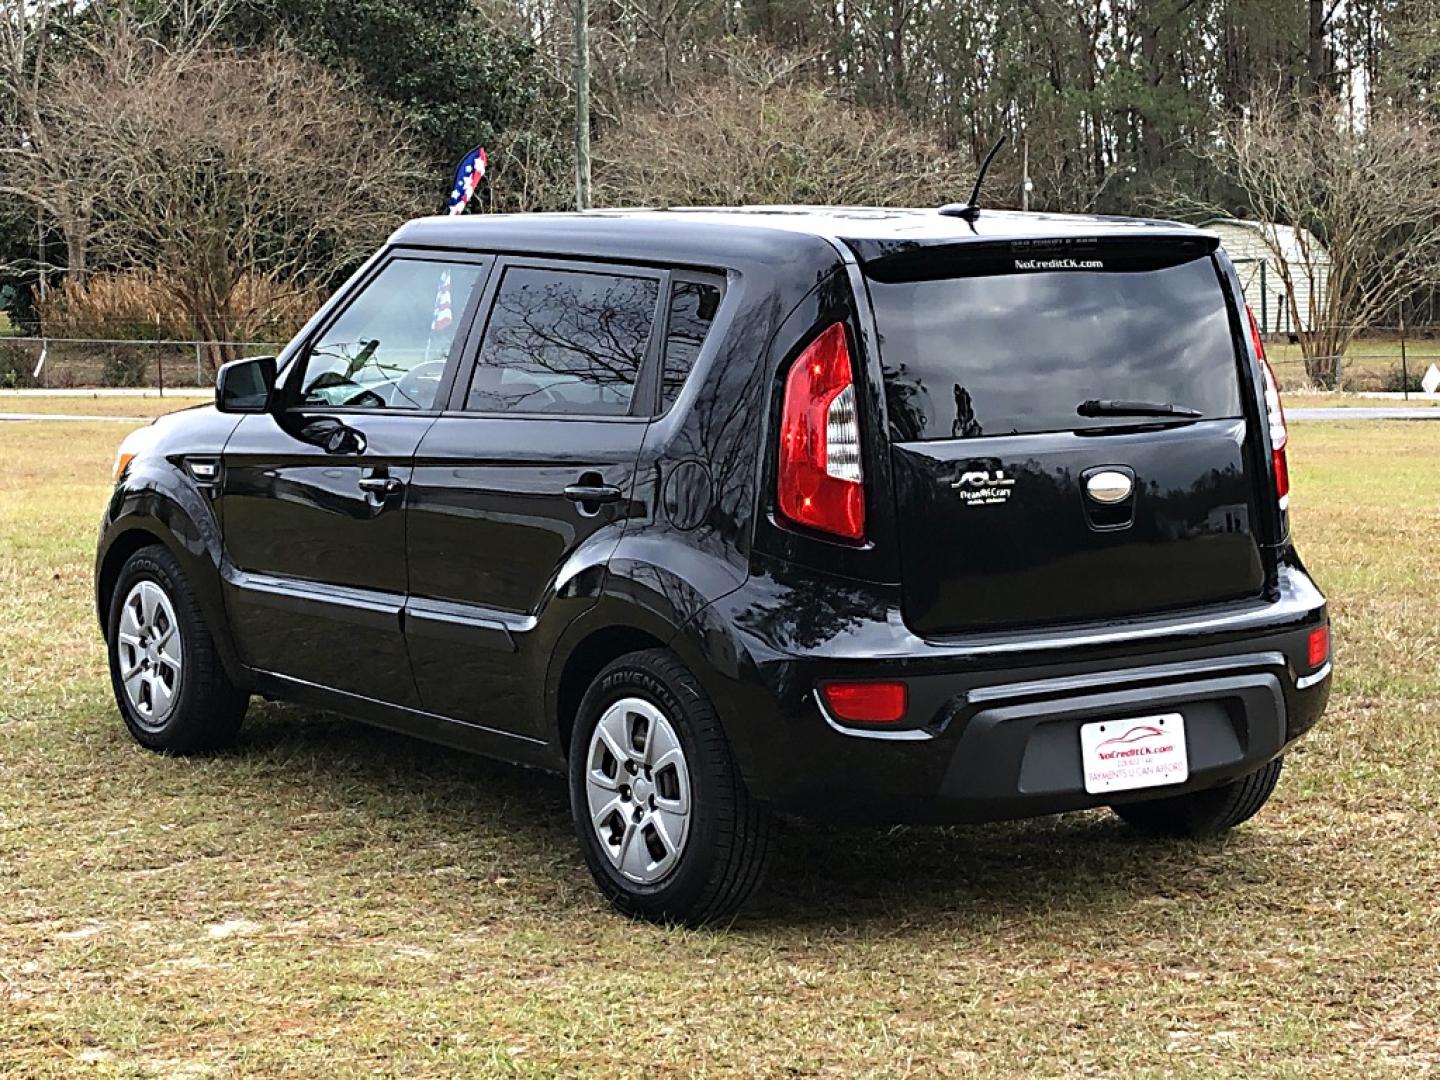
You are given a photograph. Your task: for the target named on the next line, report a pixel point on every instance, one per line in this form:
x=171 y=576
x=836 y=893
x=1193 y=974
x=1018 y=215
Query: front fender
x=156 y=502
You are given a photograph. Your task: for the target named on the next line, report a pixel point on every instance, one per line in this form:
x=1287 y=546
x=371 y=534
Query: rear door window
x=1016 y=353
x=693 y=305
x=564 y=341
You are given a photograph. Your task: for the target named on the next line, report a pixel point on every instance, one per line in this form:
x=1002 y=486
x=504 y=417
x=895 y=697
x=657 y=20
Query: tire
x=1202 y=814
x=651 y=864
x=167 y=676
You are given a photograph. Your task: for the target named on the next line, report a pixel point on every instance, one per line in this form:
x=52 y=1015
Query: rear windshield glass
x=1017 y=353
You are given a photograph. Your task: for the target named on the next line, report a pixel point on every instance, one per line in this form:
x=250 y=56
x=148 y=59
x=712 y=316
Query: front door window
x=388 y=349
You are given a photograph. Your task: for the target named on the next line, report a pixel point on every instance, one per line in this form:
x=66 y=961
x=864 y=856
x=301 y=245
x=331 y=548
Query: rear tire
x=1202 y=814
x=665 y=822
x=165 y=671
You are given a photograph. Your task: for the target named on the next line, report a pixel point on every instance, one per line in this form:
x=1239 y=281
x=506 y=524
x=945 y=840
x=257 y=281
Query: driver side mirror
x=245 y=386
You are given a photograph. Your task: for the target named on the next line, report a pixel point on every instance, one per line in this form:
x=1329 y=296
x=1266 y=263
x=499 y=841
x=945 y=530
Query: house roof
x=1291 y=241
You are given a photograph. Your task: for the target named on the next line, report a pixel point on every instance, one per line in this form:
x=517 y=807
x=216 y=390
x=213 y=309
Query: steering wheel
x=418 y=385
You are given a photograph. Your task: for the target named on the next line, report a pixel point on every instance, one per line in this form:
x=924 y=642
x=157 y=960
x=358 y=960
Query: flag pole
x=582 y=105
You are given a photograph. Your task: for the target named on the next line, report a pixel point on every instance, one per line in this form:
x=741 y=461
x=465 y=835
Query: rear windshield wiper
x=1106 y=407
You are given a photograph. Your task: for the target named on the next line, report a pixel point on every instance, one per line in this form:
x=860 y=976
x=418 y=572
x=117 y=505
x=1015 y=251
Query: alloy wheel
x=149 y=653
x=637 y=783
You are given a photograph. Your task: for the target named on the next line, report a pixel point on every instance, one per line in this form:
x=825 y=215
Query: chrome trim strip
x=905 y=735
x=1171 y=675
x=418 y=714
x=1308 y=681
x=1299 y=603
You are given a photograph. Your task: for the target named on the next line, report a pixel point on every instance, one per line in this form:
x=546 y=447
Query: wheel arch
x=585 y=656
x=144 y=516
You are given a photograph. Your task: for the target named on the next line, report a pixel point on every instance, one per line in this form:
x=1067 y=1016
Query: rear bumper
x=992 y=732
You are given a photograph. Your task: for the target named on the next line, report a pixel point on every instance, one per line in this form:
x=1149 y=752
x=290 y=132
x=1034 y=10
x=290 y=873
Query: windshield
x=1020 y=352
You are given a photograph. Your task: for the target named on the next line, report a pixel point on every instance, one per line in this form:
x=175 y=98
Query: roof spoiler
x=1104 y=252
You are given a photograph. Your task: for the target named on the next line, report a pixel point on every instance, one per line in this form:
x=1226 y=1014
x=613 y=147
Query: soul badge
x=984 y=487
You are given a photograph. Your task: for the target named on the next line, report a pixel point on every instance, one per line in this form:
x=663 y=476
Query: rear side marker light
x=1275 y=415
x=820 y=483
x=866 y=702
x=1317 y=647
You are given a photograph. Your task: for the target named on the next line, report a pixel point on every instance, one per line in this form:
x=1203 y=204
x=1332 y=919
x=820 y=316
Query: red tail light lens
x=820 y=482
x=866 y=702
x=1279 y=435
x=1318 y=647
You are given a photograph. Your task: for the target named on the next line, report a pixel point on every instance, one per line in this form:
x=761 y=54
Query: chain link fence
x=1388 y=359
x=65 y=363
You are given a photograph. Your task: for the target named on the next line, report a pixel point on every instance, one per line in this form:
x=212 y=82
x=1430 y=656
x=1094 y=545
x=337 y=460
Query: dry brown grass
x=98 y=404
x=332 y=901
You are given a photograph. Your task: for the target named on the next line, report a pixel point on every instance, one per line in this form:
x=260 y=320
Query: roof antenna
x=971 y=210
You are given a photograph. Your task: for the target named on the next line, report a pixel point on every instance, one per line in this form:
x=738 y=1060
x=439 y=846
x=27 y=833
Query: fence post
x=199 y=369
x=1404 y=366
x=1264 y=301
x=160 y=370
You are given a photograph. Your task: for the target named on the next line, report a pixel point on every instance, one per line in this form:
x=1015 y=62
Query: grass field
x=75 y=405
x=332 y=901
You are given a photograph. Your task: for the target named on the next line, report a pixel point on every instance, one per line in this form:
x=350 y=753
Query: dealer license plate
x=1122 y=755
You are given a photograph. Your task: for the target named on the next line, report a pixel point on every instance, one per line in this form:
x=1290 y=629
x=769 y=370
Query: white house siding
x=1265 y=289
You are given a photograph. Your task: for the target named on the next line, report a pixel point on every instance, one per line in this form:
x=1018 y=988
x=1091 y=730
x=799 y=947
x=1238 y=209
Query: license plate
x=1122 y=755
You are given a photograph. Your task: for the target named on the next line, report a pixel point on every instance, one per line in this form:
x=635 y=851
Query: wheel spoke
x=679 y=804
x=648 y=741
x=161 y=693
x=614 y=745
x=148 y=604
x=671 y=849
x=598 y=778
x=634 y=856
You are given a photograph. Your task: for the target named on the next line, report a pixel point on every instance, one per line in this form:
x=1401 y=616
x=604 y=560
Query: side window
x=564 y=341
x=388 y=348
x=692 y=311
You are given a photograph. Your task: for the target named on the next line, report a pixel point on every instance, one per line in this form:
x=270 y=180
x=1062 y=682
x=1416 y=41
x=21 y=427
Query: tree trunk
x=1317 y=66
x=76 y=237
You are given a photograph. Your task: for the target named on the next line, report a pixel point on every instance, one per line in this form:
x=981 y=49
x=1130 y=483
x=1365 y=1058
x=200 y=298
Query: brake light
x=1275 y=413
x=820 y=481
x=1318 y=647
x=866 y=702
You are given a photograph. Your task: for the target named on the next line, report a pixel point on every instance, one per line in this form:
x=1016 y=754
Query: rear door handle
x=593 y=493
x=381 y=485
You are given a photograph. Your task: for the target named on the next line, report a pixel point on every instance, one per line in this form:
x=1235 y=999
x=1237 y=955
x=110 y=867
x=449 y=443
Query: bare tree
x=208 y=165
x=728 y=141
x=47 y=148
x=1370 y=194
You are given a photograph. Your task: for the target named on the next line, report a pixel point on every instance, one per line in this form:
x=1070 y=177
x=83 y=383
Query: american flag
x=443 y=315
x=468 y=175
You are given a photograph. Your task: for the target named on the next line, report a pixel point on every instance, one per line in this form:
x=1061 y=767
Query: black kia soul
x=880 y=515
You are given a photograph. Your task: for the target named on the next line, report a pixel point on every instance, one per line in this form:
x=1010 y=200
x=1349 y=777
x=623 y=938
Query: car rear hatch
x=1067 y=432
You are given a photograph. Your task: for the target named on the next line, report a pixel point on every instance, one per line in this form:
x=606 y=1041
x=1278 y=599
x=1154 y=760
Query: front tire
x=164 y=669
x=665 y=822
x=1208 y=813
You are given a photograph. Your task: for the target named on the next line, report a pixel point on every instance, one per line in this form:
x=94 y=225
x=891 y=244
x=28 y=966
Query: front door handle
x=381 y=485
x=594 y=494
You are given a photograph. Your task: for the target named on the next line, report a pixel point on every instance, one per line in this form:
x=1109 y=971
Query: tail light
x=820 y=482
x=1317 y=647
x=1279 y=436
x=866 y=702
